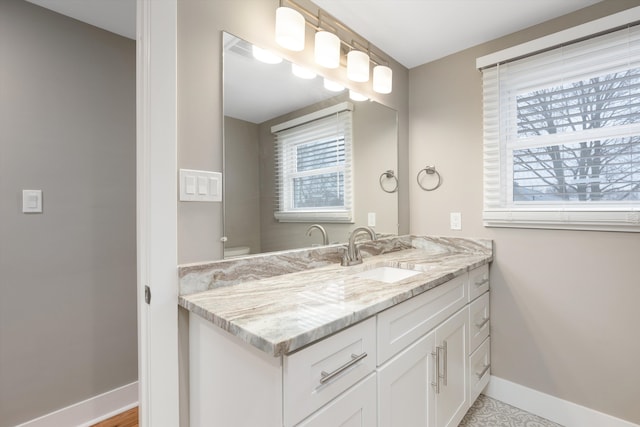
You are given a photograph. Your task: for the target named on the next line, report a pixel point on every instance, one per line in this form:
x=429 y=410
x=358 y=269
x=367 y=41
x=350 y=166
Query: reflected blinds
x=313 y=162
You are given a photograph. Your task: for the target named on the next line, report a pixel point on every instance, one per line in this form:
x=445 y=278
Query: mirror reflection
x=303 y=165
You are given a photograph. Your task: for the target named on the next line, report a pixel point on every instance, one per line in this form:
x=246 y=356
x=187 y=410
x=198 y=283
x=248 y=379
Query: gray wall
x=564 y=316
x=242 y=184
x=68 y=275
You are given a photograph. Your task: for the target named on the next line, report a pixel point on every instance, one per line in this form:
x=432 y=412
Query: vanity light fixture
x=382 y=79
x=358 y=66
x=355 y=96
x=290 y=28
x=265 y=56
x=330 y=36
x=333 y=86
x=327 y=49
x=303 y=73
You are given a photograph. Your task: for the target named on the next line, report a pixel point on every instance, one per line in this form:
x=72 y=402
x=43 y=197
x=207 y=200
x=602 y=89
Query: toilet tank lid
x=237 y=250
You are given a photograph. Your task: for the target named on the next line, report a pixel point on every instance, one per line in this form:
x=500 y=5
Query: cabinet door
x=354 y=408
x=451 y=395
x=405 y=394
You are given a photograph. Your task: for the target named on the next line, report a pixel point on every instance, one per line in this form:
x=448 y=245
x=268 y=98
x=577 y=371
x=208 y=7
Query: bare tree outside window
x=587 y=168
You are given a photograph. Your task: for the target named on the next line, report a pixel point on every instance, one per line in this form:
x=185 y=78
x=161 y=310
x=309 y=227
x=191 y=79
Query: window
x=313 y=167
x=562 y=137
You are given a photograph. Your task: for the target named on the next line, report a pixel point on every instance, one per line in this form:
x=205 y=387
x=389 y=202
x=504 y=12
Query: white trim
x=324 y=216
x=571 y=34
x=157 y=189
x=338 y=108
x=560 y=411
x=92 y=410
x=614 y=220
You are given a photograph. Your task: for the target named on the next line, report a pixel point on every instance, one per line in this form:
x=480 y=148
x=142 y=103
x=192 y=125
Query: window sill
x=592 y=220
x=315 y=216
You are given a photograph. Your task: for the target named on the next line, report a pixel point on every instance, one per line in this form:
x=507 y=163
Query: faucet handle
x=358 y=256
x=345 y=258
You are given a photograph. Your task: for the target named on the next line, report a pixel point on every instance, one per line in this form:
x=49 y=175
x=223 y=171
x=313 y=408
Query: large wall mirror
x=259 y=97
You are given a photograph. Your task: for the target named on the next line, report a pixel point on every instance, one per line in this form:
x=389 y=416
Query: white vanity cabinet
x=426 y=384
x=419 y=363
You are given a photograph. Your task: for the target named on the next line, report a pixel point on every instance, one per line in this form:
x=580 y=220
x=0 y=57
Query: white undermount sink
x=387 y=274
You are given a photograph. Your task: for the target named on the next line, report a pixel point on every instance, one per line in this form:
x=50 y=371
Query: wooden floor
x=125 y=419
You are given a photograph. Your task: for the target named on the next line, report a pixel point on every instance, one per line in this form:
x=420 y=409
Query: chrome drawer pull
x=481 y=282
x=324 y=376
x=444 y=348
x=481 y=324
x=484 y=371
x=436 y=369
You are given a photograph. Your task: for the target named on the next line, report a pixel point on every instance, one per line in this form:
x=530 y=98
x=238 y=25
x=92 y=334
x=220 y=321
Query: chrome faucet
x=325 y=236
x=352 y=255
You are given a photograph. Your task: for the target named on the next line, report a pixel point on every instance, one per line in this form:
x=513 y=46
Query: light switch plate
x=200 y=186
x=32 y=201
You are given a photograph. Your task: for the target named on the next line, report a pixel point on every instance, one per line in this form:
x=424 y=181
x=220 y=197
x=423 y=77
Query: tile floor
x=488 y=412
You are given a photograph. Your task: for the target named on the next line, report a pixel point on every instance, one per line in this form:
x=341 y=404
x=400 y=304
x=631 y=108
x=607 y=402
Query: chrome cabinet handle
x=482 y=323
x=444 y=350
x=484 y=371
x=326 y=376
x=436 y=369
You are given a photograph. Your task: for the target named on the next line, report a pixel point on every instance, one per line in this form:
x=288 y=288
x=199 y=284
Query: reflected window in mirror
x=314 y=168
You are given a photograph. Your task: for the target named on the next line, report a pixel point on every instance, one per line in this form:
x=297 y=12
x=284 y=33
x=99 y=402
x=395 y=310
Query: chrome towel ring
x=390 y=174
x=429 y=170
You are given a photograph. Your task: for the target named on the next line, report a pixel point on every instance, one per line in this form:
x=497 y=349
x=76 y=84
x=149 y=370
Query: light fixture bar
x=324 y=21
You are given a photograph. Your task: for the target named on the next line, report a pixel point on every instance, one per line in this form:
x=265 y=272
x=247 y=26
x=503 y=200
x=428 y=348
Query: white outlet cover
x=456 y=221
x=32 y=201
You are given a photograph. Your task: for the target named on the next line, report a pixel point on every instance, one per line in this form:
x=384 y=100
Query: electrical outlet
x=456 y=221
x=371 y=219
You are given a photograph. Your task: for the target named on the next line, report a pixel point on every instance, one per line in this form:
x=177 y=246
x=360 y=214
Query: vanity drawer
x=357 y=406
x=401 y=325
x=479 y=324
x=478 y=281
x=316 y=374
x=479 y=369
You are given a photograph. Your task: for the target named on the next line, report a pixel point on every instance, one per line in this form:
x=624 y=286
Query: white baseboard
x=92 y=410
x=552 y=408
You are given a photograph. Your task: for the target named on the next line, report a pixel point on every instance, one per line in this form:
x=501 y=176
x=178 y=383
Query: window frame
x=500 y=208
x=286 y=159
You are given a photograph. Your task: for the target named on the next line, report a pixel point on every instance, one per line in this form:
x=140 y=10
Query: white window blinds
x=313 y=162
x=562 y=137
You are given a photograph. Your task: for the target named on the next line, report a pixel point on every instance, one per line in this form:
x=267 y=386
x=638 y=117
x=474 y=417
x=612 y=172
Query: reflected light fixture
x=358 y=66
x=382 y=79
x=303 y=73
x=327 y=49
x=265 y=56
x=355 y=96
x=290 y=28
x=333 y=86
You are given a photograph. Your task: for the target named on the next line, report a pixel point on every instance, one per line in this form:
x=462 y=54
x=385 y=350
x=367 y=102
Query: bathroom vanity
x=399 y=340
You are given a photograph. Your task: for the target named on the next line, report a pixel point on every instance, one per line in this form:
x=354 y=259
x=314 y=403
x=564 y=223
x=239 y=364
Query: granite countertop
x=283 y=313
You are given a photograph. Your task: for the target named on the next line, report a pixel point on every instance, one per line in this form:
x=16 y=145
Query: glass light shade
x=302 y=72
x=382 y=78
x=355 y=96
x=327 y=49
x=333 y=86
x=265 y=56
x=358 y=66
x=290 y=29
